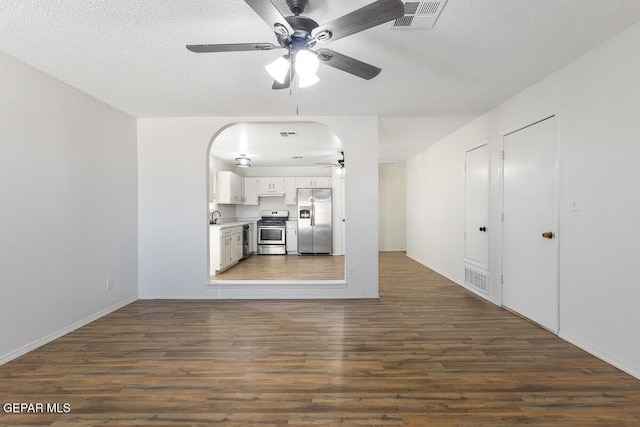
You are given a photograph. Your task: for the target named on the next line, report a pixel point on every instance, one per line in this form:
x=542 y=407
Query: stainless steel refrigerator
x=315 y=233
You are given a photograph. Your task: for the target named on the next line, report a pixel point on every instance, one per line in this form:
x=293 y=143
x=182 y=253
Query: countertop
x=230 y=224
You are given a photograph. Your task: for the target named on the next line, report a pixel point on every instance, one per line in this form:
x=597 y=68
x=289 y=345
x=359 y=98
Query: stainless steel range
x=272 y=232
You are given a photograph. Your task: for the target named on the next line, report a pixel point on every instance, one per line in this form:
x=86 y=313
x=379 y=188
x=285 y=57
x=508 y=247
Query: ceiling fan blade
x=291 y=74
x=369 y=16
x=348 y=64
x=271 y=15
x=231 y=47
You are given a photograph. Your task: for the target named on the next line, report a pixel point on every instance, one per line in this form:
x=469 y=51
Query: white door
x=476 y=249
x=530 y=253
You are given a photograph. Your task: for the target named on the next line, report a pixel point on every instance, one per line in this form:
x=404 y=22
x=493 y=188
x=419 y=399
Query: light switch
x=574 y=205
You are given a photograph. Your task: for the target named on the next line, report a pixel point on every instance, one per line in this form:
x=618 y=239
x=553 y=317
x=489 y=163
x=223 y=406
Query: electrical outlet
x=352 y=274
x=109 y=283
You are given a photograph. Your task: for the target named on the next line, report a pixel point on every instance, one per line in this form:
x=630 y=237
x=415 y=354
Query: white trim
x=274 y=289
x=602 y=355
x=468 y=288
x=269 y=284
x=55 y=335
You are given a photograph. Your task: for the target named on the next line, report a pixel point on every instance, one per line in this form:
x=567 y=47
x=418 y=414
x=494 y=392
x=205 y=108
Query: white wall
x=68 y=212
x=392 y=206
x=597 y=101
x=172 y=174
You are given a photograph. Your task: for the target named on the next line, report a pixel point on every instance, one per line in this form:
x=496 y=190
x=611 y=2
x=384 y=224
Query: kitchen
x=260 y=175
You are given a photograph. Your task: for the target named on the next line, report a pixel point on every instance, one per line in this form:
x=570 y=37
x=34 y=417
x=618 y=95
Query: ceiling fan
x=339 y=164
x=299 y=34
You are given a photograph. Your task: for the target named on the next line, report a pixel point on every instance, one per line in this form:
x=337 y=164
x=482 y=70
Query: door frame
x=558 y=185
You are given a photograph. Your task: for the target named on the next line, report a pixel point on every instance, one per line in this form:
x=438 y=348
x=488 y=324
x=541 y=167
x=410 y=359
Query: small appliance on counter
x=272 y=232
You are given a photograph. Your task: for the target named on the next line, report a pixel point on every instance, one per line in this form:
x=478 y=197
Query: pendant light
x=243 y=161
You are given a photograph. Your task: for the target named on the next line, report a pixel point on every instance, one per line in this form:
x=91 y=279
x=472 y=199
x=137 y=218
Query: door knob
x=483 y=229
x=547 y=235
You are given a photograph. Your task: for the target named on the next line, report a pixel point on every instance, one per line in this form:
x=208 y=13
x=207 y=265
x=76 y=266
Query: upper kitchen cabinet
x=313 y=182
x=250 y=191
x=291 y=193
x=229 y=188
x=273 y=186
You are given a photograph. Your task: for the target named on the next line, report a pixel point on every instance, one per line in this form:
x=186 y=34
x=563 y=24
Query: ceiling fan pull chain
x=290 y=69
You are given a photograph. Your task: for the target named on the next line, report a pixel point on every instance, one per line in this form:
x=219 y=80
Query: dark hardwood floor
x=286 y=267
x=427 y=353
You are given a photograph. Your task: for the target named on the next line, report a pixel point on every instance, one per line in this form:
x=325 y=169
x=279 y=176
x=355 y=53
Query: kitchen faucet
x=214 y=220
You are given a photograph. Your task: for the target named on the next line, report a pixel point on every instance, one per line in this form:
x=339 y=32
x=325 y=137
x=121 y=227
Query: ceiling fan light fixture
x=278 y=69
x=243 y=161
x=307 y=63
x=306 y=80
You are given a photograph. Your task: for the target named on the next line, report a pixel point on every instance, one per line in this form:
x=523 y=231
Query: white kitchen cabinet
x=253 y=238
x=271 y=186
x=313 y=182
x=236 y=244
x=292 y=237
x=218 y=249
x=291 y=191
x=225 y=247
x=226 y=251
x=229 y=191
x=250 y=191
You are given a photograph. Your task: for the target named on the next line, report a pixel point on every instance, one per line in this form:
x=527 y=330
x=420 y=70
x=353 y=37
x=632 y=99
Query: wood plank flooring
x=286 y=267
x=427 y=353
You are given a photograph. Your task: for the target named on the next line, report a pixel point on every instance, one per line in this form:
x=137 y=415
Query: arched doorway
x=296 y=154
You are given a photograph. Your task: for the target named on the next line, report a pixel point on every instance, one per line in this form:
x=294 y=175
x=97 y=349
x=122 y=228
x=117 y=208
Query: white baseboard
x=631 y=370
x=55 y=335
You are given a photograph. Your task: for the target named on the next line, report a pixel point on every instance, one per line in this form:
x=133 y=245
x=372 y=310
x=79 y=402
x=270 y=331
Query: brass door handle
x=547 y=235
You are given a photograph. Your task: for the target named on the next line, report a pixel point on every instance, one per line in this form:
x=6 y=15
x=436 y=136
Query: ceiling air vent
x=418 y=15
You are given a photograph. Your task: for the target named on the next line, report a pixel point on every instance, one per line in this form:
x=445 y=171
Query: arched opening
x=284 y=158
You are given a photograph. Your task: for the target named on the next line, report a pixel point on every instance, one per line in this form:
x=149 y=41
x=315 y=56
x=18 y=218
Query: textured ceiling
x=131 y=54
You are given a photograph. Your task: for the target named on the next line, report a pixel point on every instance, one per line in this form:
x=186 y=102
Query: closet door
x=530 y=244
x=476 y=249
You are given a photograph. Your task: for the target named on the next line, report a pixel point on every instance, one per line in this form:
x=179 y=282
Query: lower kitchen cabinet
x=292 y=237
x=225 y=247
x=253 y=238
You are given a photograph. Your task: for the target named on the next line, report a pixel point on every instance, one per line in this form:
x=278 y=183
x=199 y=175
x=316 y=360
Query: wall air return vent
x=476 y=279
x=418 y=15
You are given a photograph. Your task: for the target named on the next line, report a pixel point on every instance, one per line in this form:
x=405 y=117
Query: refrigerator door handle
x=313 y=212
